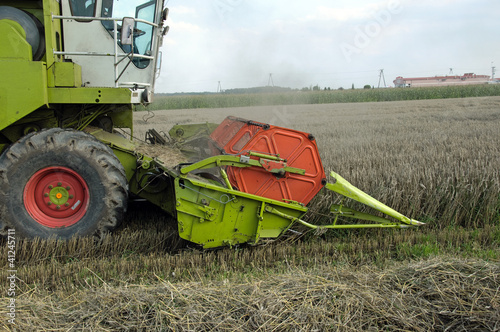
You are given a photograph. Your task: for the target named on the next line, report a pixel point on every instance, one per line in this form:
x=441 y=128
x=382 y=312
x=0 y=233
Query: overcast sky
x=327 y=43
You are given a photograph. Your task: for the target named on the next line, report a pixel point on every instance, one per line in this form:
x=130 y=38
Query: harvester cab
x=72 y=72
x=116 y=43
x=80 y=44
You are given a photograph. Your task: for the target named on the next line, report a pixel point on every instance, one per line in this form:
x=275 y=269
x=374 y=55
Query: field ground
x=437 y=161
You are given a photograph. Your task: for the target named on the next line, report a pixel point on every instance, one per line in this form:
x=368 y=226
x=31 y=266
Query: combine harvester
x=72 y=71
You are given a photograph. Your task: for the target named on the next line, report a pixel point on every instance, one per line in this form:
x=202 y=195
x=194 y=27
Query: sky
x=249 y=43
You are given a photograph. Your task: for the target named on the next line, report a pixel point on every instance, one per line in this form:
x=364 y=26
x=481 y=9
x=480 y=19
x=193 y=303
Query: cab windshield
x=143 y=32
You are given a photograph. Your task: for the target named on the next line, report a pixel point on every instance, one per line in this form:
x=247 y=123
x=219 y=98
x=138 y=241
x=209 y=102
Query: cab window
x=84 y=8
x=143 y=33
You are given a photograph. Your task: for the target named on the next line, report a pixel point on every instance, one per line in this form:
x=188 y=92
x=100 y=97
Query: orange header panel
x=239 y=136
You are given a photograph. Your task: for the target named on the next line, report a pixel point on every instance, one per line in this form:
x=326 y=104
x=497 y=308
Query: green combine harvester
x=72 y=72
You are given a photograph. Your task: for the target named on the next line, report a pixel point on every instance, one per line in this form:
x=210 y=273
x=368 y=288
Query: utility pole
x=381 y=76
x=493 y=70
x=270 y=80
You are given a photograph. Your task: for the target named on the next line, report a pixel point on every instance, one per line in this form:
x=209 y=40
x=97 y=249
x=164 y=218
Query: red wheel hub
x=56 y=197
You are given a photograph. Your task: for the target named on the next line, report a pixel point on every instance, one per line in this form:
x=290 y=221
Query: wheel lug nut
x=66 y=204
x=46 y=194
x=68 y=188
x=58 y=207
x=59 y=184
x=49 y=203
x=51 y=186
x=70 y=196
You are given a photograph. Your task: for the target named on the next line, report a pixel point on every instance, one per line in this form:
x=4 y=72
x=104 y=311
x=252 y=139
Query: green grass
x=319 y=97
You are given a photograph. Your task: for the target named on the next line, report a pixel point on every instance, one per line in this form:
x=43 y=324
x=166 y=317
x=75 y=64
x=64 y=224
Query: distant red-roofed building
x=465 y=79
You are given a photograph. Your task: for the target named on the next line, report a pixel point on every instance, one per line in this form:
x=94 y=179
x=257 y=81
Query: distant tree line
x=259 y=89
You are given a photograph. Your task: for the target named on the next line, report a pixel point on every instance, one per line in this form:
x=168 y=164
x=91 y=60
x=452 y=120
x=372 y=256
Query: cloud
x=338 y=14
x=182 y=10
x=186 y=27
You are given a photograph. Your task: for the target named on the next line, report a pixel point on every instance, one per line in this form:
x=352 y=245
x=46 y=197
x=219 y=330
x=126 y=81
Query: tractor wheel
x=61 y=183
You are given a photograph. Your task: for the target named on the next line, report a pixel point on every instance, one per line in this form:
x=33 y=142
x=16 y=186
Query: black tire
x=57 y=172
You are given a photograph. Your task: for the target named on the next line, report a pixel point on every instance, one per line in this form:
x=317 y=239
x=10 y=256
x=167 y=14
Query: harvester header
x=261 y=179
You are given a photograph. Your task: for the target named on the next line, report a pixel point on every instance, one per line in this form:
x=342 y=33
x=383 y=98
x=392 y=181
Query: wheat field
x=437 y=161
